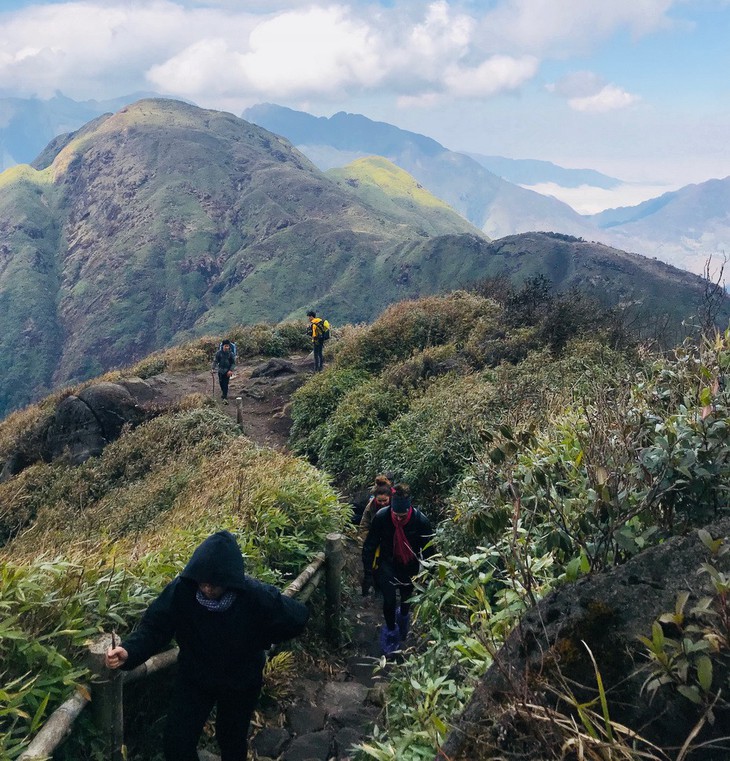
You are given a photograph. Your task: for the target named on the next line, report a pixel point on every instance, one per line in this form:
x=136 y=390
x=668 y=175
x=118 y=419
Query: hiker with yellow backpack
x=319 y=329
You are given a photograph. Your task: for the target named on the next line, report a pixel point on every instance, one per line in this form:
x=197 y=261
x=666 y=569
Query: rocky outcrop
x=274 y=368
x=83 y=425
x=607 y=612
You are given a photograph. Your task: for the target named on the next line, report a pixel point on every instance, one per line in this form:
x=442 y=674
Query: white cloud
x=608 y=98
x=550 y=28
x=91 y=49
x=327 y=51
x=295 y=54
x=233 y=52
x=588 y=199
x=318 y=50
x=589 y=93
x=497 y=74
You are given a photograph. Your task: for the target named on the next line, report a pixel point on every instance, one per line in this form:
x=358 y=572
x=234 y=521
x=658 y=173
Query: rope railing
x=105 y=692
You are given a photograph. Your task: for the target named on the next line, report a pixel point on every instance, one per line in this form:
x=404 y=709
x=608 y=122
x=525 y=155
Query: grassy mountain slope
x=490 y=203
x=165 y=219
x=383 y=185
x=540 y=461
x=84 y=549
x=30 y=330
x=543 y=447
x=647 y=287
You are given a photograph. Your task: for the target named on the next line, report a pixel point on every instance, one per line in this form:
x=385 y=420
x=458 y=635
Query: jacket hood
x=218 y=560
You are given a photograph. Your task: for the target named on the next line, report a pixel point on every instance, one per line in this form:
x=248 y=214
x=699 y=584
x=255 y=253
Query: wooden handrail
x=156 y=663
x=57 y=728
x=106 y=692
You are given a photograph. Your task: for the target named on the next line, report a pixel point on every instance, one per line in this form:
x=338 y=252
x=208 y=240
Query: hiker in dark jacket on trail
x=382 y=495
x=402 y=532
x=224 y=362
x=223 y=621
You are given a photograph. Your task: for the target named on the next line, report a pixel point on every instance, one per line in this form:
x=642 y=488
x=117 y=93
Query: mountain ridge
x=494 y=205
x=501 y=208
x=165 y=221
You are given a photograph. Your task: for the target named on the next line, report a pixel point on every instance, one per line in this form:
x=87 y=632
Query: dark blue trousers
x=318 y=355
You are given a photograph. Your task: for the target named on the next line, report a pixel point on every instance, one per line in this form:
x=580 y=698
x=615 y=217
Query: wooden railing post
x=239 y=411
x=107 y=700
x=334 y=563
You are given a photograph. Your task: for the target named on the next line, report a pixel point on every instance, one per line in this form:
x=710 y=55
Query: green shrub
x=429 y=445
x=109 y=534
x=423 y=366
x=361 y=414
x=314 y=403
x=411 y=326
x=295 y=336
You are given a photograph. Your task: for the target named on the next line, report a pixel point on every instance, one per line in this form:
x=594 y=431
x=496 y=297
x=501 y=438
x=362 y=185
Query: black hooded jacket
x=217 y=648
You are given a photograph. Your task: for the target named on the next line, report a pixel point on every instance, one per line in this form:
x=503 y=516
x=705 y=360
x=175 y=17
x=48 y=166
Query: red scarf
x=402 y=550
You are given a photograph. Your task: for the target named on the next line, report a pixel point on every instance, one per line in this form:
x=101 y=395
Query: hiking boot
x=225 y=401
x=403 y=622
x=389 y=639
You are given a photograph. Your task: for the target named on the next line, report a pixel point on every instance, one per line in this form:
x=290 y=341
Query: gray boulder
x=608 y=611
x=74 y=432
x=113 y=406
x=83 y=425
x=274 y=368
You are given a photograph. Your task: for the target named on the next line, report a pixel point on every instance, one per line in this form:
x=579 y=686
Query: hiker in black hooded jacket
x=223 y=621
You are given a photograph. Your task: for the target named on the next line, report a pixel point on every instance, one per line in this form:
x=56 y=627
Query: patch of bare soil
x=264 y=388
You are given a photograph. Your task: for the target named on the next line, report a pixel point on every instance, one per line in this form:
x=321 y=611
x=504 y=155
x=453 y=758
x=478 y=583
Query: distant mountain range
x=683 y=228
x=480 y=188
x=165 y=220
x=28 y=124
x=533 y=172
x=492 y=204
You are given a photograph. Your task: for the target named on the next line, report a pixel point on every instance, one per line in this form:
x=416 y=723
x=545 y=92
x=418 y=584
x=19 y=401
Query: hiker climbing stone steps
x=402 y=534
x=223 y=621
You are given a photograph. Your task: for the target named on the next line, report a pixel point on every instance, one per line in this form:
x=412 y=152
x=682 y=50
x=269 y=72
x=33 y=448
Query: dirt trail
x=264 y=386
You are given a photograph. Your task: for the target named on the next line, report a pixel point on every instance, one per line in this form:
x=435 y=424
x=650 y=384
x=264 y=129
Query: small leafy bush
x=415 y=372
x=411 y=326
x=361 y=415
x=314 y=403
x=109 y=534
x=429 y=445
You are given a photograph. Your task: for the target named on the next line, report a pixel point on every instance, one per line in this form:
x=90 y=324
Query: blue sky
x=639 y=89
